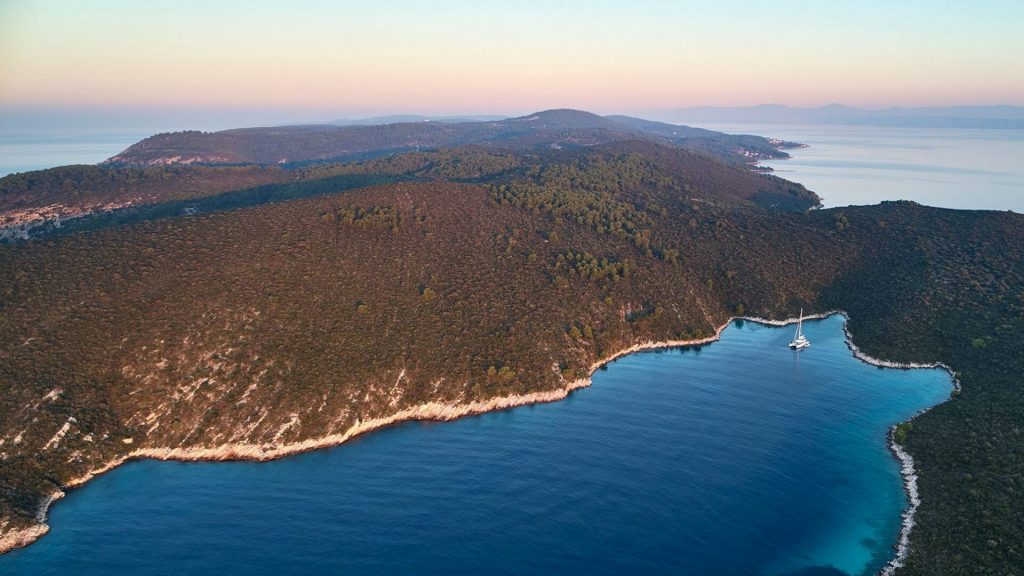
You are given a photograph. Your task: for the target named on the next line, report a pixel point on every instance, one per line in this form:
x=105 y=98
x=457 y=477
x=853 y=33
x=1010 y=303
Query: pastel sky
x=376 y=57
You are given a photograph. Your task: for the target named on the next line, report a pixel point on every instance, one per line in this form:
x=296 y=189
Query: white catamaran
x=800 y=341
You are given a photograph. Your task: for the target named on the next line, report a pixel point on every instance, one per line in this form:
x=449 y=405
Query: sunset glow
x=463 y=57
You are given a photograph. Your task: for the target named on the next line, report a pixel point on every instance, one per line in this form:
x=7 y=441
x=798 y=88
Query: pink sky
x=461 y=57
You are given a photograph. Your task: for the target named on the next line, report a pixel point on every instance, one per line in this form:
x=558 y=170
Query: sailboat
x=800 y=341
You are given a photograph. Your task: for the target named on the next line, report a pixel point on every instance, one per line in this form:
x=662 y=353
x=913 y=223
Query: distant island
x=291 y=145
x=252 y=293
x=959 y=117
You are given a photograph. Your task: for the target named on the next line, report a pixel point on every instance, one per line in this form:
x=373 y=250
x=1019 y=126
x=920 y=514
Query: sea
x=971 y=169
x=740 y=457
x=27 y=151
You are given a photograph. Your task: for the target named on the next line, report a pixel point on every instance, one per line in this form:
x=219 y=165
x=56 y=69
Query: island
x=255 y=293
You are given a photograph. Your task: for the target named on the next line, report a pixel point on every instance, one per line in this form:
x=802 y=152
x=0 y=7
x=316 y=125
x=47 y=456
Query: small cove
x=739 y=457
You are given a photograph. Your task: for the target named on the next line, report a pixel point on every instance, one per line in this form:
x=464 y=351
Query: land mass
x=250 y=311
x=976 y=117
x=290 y=145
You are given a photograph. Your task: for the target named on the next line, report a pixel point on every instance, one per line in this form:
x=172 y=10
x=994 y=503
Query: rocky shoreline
x=13 y=538
x=907 y=470
x=902 y=545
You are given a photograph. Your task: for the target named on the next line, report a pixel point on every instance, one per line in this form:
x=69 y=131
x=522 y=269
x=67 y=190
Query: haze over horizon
x=233 y=58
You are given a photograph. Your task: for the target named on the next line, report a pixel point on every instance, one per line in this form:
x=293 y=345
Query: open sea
x=23 y=152
x=737 y=458
x=970 y=169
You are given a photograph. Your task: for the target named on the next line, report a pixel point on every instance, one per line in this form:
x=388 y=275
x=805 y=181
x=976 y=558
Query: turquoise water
x=741 y=457
x=964 y=168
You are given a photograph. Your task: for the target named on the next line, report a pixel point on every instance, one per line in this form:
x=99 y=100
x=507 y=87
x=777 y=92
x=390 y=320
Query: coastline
x=443 y=412
x=907 y=470
x=909 y=475
x=430 y=411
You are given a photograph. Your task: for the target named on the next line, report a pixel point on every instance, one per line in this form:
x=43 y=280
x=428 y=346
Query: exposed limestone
x=60 y=434
x=11 y=538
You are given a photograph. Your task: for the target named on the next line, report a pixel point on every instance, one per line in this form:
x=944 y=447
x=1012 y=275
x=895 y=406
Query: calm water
x=742 y=457
x=969 y=169
x=22 y=153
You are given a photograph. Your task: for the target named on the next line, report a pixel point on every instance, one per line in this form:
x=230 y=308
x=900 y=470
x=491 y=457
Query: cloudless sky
x=376 y=57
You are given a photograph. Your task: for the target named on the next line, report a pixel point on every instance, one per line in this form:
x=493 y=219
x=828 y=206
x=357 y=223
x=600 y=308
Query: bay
x=739 y=457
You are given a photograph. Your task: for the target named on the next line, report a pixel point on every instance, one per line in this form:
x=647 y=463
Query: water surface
x=27 y=152
x=741 y=457
x=951 y=168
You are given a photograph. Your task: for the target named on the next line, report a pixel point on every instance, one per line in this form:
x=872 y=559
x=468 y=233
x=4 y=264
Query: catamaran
x=800 y=341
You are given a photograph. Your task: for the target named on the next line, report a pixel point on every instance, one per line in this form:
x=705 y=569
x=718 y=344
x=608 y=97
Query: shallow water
x=741 y=457
x=848 y=165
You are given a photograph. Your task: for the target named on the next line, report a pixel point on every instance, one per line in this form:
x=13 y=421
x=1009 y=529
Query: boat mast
x=800 y=323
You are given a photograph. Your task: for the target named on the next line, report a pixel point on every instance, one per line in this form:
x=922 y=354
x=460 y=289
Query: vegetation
x=930 y=284
x=617 y=177
x=900 y=432
x=588 y=267
x=93 y=185
x=460 y=164
x=301 y=145
x=485 y=273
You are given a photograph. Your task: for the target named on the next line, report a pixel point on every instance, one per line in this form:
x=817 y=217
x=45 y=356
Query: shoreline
x=909 y=475
x=907 y=470
x=427 y=412
x=445 y=412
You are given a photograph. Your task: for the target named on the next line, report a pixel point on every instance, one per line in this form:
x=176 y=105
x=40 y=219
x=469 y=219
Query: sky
x=333 y=59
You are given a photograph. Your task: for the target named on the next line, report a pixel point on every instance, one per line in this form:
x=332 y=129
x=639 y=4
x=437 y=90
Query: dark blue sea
x=741 y=457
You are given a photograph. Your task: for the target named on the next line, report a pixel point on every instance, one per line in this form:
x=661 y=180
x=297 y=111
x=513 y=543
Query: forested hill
x=553 y=128
x=247 y=324
x=70 y=198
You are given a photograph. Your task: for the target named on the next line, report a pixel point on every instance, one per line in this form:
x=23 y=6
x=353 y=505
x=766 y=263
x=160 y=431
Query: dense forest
x=471 y=273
